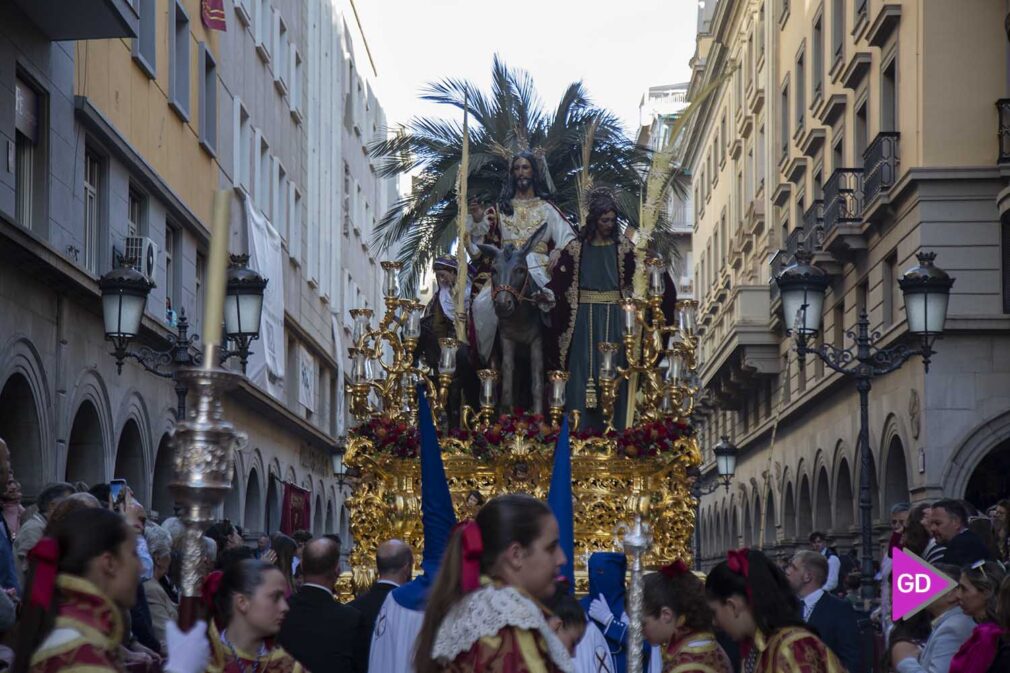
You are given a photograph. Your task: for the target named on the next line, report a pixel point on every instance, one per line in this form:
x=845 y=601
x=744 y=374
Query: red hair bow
x=675 y=569
x=738 y=561
x=211 y=585
x=45 y=557
x=473 y=548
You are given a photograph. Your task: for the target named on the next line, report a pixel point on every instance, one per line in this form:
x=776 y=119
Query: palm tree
x=422 y=224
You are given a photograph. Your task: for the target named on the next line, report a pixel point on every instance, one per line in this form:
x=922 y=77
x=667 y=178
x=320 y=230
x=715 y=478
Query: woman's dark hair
x=683 y=594
x=285 y=549
x=239 y=578
x=219 y=533
x=82 y=535
x=601 y=202
x=987 y=578
x=503 y=521
x=982 y=527
x=913 y=630
x=915 y=537
x=772 y=602
x=566 y=608
x=229 y=557
x=508 y=190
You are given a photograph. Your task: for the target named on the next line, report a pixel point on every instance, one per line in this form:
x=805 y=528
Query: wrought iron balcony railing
x=813 y=225
x=1003 y=129
x=843 y=198
x=793 y=241
x=880 y=163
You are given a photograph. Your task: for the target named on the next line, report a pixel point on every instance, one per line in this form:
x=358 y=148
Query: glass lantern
x=488 y=379
x=608 y=364
x=359 y=365
x=412 y=328
x=558 y=381
x=447 y=356
x=656 y=280
x=629 y=316
x=362 y=318
x=391 y=279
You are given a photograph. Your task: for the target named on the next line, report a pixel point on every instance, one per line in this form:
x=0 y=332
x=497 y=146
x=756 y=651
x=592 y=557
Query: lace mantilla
x=487 y=611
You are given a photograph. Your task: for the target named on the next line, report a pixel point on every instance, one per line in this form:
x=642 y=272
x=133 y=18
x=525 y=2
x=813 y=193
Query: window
x=264 y=28
x=135 y=214
x=295 y=85
x=281 y=52
x=243 y=11
x=346 y=205
x=242 y=141
x=357 y=214
x=178 y=49
x=263 y=184
x=859 y=9
x=92 y=209
x=761 y=33
x=279 y=213
x=817 y=62
x=171 y=254
x=889 y=97
x=862 y=292
x=296 y=249
x=760 y=168
x=837 y=31
x=145 y=44
x=30 y=177
x=818 y=185
x=787 y=375
x=837 y=154
x=722 y=139
x=201 y=274
x=860 y=135
x=208 y=100
x=801 y=91
x=784 y=119
x=888 y=285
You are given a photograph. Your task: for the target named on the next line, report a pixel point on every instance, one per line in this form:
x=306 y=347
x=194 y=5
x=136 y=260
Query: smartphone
x=118 y=488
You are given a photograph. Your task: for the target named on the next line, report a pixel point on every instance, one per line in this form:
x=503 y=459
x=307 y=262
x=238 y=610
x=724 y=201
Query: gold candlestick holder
x=203 y=446
x=480 y=420
x=608 y=376
x=558 y=381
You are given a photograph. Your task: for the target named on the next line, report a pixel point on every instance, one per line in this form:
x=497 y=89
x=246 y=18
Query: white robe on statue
x=396 y=631
x=592 y=655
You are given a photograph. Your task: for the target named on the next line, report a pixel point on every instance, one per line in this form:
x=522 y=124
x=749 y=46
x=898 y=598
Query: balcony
x=754 y=218
x=813 y=226
x=884 y=24
x=880 y=164
x=745 y=349
x=60 y=20
x=843 y=211
x=793 y=241
x=1003 y=130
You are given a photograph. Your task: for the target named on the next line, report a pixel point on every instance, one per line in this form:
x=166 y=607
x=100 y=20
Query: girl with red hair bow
x=484 y=612
x=678 y=616
x=755 y=606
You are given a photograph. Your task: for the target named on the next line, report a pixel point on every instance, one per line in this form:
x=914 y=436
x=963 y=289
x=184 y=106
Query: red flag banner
x=212 y=12
x=295 y=509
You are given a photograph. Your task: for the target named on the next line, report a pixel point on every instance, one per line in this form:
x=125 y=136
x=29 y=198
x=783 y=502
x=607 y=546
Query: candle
x=217 y=271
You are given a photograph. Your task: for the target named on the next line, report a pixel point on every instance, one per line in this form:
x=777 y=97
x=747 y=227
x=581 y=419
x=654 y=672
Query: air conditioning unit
x=143 y=254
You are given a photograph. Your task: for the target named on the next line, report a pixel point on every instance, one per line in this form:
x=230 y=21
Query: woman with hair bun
x=484 y=612
x=80 y=581
x=249 y=605
x=678 y=616
x=753 y=603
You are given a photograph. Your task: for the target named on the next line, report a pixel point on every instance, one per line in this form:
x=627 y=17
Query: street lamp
x=725 y=466
x=124 y=297
x=926 y=290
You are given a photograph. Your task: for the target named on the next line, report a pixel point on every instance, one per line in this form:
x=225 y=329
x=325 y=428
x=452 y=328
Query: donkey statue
x=520 y=320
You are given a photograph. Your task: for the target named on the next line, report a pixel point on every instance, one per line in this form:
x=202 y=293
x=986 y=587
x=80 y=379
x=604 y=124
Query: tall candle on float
x=217 y=273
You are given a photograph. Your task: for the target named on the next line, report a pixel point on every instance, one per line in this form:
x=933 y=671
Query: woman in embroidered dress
x=754 y=605
x=978 y=594
x=483 y=612
x=249 y=606
x=89 y=570
x=678 y=616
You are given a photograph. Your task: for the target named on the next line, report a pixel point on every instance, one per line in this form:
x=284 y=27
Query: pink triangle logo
x=915 y=584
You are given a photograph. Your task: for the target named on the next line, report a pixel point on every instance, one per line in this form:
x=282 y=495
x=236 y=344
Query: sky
x=618 y=48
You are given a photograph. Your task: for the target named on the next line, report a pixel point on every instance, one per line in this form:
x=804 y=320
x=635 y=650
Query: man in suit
x=819 y=543
x=832 y=618
x=948 y=522
x=951 y=628
x=394 y=565
x=319 y=632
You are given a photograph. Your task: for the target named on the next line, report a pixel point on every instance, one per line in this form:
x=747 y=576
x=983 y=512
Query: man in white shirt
x=820 y=545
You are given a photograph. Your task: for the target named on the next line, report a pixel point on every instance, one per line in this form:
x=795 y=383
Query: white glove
x=187 y=652
x=598 y=610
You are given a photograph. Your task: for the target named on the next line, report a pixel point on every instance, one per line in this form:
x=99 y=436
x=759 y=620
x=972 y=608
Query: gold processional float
x=619 y=477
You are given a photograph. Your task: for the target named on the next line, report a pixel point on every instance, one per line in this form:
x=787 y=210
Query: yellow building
x=864 y=131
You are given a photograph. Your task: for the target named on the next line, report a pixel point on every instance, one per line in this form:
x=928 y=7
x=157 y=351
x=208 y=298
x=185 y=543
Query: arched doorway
x=19 y=427
x=734 y=528
x=272 y=523
x=85 y=451
x=843 y=498
x=346 y=543
x=130 y=460
x=990 y=481
x=895 y=475
x=161 y=499
x=804 y=519
x=822 y=514
x=253 y=519
x=233 y=501
x=789 y=514
x=748 y=537
x=317 y=516
x=757 y=535
x=329 y=518
x=769 y=529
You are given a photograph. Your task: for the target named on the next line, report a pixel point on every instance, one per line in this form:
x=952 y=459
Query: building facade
x=119 y=134
x=659 y=110
x=864 y=131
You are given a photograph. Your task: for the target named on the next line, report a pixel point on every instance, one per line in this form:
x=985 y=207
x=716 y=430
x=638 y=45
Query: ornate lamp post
x=124 y=297
x=926 y=289
x=726 y=454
